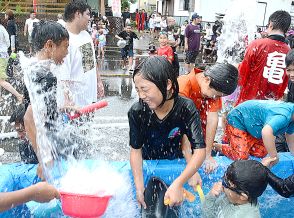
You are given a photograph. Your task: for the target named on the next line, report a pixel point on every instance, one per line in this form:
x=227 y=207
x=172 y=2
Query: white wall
x=209 y=8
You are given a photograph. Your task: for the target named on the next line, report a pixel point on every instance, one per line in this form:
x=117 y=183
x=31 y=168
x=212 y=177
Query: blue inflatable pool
x=18 y=176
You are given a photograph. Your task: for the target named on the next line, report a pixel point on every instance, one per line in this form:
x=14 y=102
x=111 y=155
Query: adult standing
x=82 y=82
x=263 y=70
x=29 y=26
x=192 y=42
x=126 y=15
x=12 y=30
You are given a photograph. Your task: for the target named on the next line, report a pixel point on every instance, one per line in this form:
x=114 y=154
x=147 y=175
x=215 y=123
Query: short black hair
x=224 y=77
x=75 y=6
x=47 y=30
x=290 y=58
x=18 y=114
x=249 y=176
x=158 y=70
x=281 y=20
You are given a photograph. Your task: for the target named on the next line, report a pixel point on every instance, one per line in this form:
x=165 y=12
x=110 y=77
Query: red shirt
x=166 y=52
x=262 y=73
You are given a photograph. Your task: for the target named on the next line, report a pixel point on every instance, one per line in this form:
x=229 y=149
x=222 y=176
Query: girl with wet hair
x=159 y=124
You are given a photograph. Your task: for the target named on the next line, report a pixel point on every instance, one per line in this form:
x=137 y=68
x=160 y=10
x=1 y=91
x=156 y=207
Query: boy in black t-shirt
x=127 y=52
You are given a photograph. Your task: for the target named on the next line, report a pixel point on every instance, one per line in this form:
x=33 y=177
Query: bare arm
x=269 y=141
x=186 y=43
x=9 y=88
x=25 y=29
x=211 y=126
x=118 y=37
x=40 y=192
x=136 y=162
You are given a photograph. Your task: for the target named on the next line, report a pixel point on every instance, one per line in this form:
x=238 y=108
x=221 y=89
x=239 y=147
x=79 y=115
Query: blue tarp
x=17 y=176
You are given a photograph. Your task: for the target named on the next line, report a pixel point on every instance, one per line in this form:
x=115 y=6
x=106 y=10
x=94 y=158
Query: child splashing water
x=42 y=120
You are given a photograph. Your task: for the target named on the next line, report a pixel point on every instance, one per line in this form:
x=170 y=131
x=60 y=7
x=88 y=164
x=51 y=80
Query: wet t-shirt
x=251 y=116
x=161 y=139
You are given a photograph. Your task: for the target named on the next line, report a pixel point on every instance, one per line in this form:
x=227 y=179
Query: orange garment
x=189 y=87
x=242 y=144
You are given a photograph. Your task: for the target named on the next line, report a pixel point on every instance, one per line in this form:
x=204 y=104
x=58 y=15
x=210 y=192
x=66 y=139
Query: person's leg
x=130 y=54
x=99 y=51
x=239 y=146
x=102 y=51
x=187 y=61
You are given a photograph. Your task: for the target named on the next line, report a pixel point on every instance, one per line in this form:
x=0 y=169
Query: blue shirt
x=251 y=116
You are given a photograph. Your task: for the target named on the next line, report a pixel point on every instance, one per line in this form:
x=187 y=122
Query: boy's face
x=163 y=40
x=207 y=91
x=128 y=29
x=290 y=72
x=60 y=51
x=231 y=191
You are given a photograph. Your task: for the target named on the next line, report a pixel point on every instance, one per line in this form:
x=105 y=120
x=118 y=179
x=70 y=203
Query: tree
x=126 y=3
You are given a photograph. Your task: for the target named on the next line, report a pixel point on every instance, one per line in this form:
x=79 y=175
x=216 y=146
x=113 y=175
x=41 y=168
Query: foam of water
x=239 y=23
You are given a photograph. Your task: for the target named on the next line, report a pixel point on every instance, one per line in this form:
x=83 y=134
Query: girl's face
x=163 y=40
x=148 y=92
x=290 y=72
x=59 y=51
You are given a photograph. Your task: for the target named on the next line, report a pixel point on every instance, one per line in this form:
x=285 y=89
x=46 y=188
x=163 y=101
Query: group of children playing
x=176 y=118
x=99 y=39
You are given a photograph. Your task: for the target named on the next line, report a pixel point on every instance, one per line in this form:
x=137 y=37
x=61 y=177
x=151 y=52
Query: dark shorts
x=191 y=57
x=127 y=52
x=157 y=28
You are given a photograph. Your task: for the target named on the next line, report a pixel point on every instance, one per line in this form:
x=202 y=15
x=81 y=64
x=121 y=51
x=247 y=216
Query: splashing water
x=237 y=31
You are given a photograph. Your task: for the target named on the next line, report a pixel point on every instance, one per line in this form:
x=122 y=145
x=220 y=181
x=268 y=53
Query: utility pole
x=102 y=7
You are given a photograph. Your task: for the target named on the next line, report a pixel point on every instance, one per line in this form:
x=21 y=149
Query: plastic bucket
x=83 y=206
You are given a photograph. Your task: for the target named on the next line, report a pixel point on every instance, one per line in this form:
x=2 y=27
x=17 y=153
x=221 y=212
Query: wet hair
x=75 y=6
x=10 y=14
x=249 y=176
x=159 y=70
x=18 y=114
x=47 y=30
x=290 y=58
x=224 y=77
x=281 y=20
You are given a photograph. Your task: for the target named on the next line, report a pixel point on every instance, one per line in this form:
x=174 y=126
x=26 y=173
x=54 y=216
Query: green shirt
x=221 y=207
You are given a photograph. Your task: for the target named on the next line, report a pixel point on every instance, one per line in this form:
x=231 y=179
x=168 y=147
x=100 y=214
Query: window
x=184 y=5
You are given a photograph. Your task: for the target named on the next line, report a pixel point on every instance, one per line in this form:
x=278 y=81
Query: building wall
x=209 y=8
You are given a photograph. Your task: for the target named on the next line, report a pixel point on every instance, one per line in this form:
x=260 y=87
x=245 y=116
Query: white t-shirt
x=79 y=69
x=62 y=22
x=4 y=39
x=30 y=23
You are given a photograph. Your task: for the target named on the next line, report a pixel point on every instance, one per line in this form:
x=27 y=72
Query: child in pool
x=237 y=195
x=252 y=127
x=205 y=89
x=158 y=123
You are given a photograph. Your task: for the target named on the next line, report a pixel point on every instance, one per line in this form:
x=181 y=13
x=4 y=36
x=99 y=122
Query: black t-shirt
x=161 y=139
x=126 y=15
x=129 y=37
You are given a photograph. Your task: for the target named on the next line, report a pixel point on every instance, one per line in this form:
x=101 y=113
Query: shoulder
x=186 y=104
x=136 y=108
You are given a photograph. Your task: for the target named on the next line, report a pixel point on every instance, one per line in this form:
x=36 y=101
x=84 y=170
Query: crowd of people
x=176 y=116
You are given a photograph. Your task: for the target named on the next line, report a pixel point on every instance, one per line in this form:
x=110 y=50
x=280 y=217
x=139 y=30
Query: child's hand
x=174 y=195
x=210 y=165
x=140 y=198
x=43 y=192
x=217 y=146
x=269 y=161
x=195 y=180
x=217 y=189
x=20 y=98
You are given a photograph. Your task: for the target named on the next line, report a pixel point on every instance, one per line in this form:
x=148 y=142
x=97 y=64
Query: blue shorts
x=127 y=52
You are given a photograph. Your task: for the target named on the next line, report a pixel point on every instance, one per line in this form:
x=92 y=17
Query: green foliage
x=125 y=4
x=18 y=9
